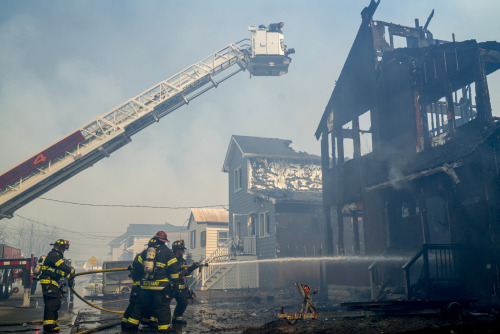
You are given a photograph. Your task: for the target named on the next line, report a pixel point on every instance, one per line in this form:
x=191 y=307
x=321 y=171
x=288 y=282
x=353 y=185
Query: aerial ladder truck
x=264 y=54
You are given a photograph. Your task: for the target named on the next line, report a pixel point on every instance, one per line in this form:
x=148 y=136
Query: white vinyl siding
x=212 y=234
x=199 y=253
x=140 y=243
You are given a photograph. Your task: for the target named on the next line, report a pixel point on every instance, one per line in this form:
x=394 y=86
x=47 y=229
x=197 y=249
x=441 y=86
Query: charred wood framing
x=432 y=174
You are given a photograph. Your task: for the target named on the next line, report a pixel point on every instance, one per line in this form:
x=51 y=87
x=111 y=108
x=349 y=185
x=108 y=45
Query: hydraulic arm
x=105 y=134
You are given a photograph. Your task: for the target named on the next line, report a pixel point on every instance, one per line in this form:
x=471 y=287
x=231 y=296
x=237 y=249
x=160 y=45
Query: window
x=252 y=225
x=221 y=238
x=203 y=239
x=365 y=125
x=242 y=229
x=192 y=240
x=237 y=179
x=237 y=228
x=267 y=224
x=264 y=224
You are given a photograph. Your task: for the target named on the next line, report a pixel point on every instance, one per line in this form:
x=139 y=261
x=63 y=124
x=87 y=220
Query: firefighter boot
x=153 y=323
x=54 y=328
x=124 y=323
x=179 y=321
x=129 y=329
x=131 y=326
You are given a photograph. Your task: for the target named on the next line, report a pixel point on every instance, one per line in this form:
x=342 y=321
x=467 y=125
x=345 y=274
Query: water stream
x=339 y=259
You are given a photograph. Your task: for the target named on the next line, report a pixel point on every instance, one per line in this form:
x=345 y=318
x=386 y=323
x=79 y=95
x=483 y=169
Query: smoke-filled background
x=63 y=63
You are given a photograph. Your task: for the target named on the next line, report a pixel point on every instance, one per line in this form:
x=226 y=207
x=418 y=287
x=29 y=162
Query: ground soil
x=239 y=317
x=386 y=325
x=249 y=312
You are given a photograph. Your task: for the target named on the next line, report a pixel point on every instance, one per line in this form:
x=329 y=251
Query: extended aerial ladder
x=264 y=55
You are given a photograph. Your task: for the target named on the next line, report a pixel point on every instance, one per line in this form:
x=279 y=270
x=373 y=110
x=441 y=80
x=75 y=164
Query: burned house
x=410 y=159
x=275 y=205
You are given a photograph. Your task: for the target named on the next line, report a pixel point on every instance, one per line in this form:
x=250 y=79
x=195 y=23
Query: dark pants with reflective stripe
x=181 y=297
x=52 y=300
x=160 y=302
x=134 y=294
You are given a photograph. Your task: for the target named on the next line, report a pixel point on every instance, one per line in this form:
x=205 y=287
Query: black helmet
x=179 y=244
x=61 y=244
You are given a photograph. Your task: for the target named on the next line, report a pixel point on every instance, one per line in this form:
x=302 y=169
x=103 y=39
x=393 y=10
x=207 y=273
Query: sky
x=64 y=62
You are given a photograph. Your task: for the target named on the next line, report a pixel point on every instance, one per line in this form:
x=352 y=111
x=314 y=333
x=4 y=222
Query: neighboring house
x=275 y=207
x=207 y=230
x=423 y=177
x=126 y=246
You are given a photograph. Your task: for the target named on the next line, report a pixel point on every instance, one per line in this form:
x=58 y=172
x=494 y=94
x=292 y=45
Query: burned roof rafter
x=355 y=91
x=355 y=78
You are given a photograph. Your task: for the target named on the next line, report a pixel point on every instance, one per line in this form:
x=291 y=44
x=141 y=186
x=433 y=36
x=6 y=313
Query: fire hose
x=94 y=272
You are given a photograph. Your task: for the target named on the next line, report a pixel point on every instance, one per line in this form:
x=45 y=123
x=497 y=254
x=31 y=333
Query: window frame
x=203 y=239
x=264 y=226
x=237 y=180
x=219 y=243
x=252 y=229
x=192 y=239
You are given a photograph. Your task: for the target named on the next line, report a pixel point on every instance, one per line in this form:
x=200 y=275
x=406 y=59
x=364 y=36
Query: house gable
x=232 y=149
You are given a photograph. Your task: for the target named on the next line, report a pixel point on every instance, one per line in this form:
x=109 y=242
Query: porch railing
x=433 y=264
x=221 y=254
x=249 y=245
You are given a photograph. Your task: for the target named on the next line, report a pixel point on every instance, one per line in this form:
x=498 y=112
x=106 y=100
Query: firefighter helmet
x=61 y=244
x=179 y=244
x=162 y=236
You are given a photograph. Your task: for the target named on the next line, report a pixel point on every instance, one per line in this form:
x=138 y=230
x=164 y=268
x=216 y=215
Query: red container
x=8 y=252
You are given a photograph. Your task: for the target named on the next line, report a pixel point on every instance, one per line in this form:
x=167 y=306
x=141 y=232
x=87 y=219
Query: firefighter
x=53 y=270
x=136 y=276
x=155 y=265
x=276 y=27
x=182 y=293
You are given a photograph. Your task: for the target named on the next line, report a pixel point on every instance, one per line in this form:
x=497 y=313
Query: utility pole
x=31 y=239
